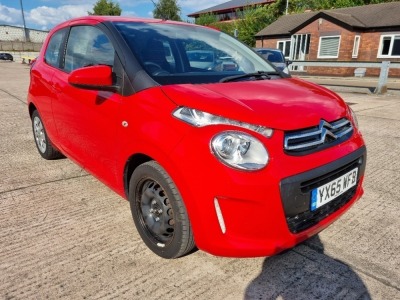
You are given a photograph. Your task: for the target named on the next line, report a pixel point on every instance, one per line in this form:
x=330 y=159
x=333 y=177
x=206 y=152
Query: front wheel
x=158 y=212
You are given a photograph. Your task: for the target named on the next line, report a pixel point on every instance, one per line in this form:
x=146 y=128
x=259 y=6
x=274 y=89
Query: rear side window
x=88 y=46
x=52 y=55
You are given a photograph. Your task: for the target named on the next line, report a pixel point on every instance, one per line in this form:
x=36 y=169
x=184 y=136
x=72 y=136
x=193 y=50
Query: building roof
x=285 y=24
x=372 y=16
x=229 y=6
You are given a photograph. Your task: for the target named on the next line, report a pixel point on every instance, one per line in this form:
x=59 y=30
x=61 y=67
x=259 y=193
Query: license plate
x=331 y=190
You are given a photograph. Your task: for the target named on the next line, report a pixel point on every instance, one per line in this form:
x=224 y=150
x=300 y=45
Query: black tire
x=159 y=213
x=42 y=141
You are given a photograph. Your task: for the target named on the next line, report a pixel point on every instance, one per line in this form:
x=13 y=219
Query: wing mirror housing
x=99 y=78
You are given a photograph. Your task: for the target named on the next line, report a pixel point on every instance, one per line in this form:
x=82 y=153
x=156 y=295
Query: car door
x=41 y=91
x=86 y=120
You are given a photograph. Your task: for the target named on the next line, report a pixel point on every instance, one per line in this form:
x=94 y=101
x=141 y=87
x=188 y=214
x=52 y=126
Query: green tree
x=167 y=9
x=251 y=20
x=297 y=6
x=206 y=19
x=255 y=18
x=106 y=8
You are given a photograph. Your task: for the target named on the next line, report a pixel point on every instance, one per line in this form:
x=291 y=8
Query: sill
x=327 y=57
x=388 y=56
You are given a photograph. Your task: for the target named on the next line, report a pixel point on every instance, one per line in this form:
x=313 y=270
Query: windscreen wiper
x=260 y=75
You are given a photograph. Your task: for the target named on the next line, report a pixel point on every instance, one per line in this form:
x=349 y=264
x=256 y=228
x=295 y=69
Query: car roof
x=101 y=19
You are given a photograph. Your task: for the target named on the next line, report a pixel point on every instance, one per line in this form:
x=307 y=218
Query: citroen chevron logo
x=325 y=129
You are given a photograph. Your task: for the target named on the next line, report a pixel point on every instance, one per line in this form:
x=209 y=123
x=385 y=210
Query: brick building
x=368 y=33
x=228 y=11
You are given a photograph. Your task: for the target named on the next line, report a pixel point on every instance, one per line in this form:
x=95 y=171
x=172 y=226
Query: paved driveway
x=65 y=235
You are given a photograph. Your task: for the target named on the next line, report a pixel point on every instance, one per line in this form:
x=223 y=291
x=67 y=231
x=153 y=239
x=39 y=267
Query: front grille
x=317 y=138
x=296 y=191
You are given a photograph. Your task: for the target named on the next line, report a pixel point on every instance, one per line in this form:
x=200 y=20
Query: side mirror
x=288 y=62
x=93 y=78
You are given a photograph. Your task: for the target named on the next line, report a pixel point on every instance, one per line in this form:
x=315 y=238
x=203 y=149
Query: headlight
x=353 y=116
x=199 y=118
x=239 y=150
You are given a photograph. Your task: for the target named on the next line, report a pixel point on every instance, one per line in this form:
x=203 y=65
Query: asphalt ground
x=64 y=235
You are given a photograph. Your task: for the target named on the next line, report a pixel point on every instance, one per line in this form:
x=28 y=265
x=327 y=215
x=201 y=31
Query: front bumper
x=296 y=191
x=256 y=207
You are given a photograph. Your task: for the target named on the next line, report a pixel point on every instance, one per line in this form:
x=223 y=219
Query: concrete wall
x=19 y=46
x=16 y=34
x=12 y=40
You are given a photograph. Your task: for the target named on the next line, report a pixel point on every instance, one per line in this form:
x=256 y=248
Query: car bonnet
x=285 y=104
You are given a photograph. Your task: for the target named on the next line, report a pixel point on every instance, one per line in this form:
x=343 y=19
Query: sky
x=45 y=14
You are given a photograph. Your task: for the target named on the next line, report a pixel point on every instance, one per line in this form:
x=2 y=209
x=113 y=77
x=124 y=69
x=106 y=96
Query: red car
x=242 y=161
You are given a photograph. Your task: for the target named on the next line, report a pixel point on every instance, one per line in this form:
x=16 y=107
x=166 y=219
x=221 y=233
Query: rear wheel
x=158 y=212
x=43 y=143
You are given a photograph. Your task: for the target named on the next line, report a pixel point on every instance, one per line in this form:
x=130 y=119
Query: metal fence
x=384 y=67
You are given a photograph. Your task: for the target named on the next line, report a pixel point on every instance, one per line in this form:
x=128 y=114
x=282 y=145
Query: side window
x=87 y=46
x=52 y=55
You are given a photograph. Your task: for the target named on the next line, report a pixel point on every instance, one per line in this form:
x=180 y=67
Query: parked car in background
x=276 y=57
x=201 y=59
x=235 y=158
x=6 y=56
x=227 y=63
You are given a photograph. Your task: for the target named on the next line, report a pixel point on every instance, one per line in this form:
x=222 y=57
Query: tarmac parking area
x=63 y=234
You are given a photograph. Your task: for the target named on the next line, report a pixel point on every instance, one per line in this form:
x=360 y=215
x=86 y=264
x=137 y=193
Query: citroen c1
x=239 y=161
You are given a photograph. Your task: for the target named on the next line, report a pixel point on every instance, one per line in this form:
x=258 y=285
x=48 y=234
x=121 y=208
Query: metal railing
x=384 y=67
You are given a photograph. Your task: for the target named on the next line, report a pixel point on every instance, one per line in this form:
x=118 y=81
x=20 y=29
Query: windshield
x=173 y=53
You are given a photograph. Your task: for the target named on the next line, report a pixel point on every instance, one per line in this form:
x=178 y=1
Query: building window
x=389 y=46
x=329 y=47
x=227 y=16
x=284 y=46
x=356 y=46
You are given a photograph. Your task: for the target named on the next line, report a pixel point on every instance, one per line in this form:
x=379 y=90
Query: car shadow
x=305 y=272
